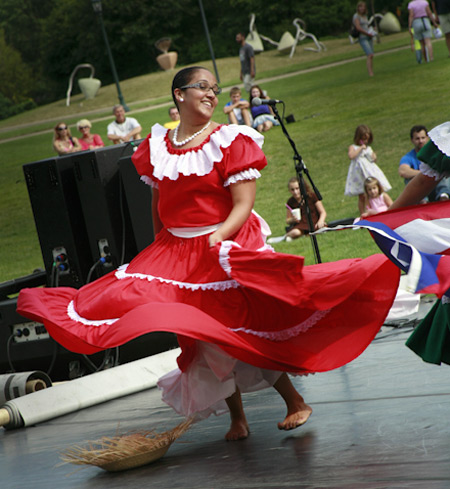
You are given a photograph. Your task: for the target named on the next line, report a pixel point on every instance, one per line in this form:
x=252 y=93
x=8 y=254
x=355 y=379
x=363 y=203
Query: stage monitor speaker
x=25 y=345
x=138 y=199
x=106 y=201
x=59 y=220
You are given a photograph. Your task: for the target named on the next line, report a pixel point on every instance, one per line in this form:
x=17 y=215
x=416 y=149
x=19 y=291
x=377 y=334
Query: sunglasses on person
x=204 y=87
x=61 y=128
x=83 y=127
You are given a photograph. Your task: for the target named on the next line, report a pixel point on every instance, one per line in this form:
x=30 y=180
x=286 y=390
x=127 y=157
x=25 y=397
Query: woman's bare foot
x=239 y=430
x=298 y=411
x=296 y=417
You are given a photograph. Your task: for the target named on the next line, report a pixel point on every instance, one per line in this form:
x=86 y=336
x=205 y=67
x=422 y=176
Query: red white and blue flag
x=417 y=240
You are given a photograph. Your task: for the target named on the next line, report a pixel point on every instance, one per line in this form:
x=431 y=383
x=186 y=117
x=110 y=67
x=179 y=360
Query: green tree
x=15 y=75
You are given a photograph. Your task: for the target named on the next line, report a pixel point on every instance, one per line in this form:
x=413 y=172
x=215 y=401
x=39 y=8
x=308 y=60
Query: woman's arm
x=98 y=141
x=410 y=19
x=157 y=224
x=57 y=147
x=322 y=215
x=243 y=197
x=418 y=188
x=76 y=145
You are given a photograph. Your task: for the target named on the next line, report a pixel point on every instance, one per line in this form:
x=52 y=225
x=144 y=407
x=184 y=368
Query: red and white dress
x=234 y=307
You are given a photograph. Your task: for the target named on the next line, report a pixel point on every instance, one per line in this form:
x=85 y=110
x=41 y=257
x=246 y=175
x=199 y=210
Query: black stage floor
x=382 y=421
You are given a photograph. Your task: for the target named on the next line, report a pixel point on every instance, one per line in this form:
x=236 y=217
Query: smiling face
x=195 y=101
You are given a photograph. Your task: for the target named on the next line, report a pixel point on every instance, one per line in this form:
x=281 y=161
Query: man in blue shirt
x=409 y=164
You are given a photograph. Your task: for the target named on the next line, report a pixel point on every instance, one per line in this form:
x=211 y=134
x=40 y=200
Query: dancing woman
x=244 y=315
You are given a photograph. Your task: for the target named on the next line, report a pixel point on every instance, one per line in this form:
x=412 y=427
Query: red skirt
x=261 y=307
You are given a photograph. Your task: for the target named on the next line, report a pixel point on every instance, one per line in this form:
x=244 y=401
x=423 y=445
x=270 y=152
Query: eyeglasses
x=63 y=128
x=204 y=87
x=83 y=127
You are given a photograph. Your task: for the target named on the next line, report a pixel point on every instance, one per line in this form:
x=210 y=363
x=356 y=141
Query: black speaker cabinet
x=89 y=206
x=113 y=199
x=59 y=220
x=138 y=199
x=25 y=346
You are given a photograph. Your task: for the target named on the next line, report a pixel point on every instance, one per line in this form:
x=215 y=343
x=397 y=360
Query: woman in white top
x=366 y=33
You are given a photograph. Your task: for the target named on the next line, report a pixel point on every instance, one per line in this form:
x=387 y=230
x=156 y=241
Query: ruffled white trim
x=289 y=333
x=440 y=135
x=148 y=181
x=429 y=172
x=121 y=273
x=224 y=255
x=72 y=313
x=250 y=174
x=196 y=162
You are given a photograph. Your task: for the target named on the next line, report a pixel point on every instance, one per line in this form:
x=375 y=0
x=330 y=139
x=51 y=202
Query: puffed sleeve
x=141 y=161
x=434 y=158
x=243 y=160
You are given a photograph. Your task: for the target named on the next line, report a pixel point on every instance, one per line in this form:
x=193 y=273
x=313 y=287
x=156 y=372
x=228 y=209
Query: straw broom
x=125 y=451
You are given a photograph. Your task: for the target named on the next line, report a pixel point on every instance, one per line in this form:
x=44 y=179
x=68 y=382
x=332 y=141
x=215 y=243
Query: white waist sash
x=194 y=232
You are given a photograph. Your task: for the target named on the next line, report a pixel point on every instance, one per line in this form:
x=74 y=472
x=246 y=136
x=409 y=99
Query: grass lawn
x=327 y=104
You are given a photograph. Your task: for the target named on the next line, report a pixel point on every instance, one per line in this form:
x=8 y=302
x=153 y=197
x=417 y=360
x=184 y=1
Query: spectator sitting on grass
x=237 y=109
x=88 y=140
x=175 y=118
x=63 y=142
x=123 y=129
x=296 y=213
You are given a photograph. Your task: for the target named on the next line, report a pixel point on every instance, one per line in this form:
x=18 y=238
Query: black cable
x=8 y=352
x=91 y=270
x=53 y=275
x=106 y=358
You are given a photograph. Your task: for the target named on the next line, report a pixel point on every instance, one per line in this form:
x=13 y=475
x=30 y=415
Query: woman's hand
x=243 y=198
x=215 y=238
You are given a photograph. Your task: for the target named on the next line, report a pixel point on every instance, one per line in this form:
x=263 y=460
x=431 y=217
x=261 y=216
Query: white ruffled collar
x=194 y=161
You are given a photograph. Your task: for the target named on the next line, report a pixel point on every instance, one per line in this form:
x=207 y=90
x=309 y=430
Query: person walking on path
x=247 y=58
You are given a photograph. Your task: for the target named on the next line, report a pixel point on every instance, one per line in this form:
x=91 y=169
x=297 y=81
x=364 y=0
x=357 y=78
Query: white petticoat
x=210 y=379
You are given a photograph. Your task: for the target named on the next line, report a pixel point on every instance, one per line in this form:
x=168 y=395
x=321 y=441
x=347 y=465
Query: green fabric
x=433 y=157
x=431 y=338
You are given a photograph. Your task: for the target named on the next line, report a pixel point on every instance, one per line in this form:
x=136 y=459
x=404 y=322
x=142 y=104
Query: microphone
x=256 y=102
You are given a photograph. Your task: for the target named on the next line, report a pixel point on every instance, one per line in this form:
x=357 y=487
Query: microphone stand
x=300 y=168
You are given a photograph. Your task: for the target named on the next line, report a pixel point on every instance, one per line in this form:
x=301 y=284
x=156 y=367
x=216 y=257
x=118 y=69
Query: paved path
x=167 y=104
